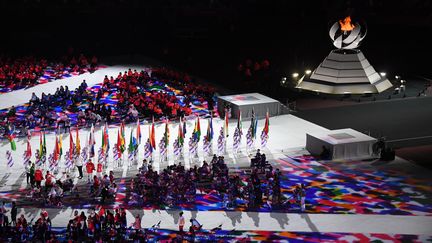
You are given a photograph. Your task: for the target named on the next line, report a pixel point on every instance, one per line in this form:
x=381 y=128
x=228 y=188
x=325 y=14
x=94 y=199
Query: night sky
x=199 y=36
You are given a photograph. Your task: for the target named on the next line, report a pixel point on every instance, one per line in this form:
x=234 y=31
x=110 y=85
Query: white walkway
x=246 y=221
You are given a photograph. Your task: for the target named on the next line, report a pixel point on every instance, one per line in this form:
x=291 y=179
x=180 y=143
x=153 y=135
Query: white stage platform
x=246 y=102
x=343 y=143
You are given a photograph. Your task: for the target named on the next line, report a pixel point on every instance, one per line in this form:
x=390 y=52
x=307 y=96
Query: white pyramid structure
x=345 y=71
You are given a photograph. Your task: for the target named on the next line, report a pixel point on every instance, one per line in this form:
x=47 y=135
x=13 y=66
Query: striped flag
x=176 y=147
x=221 y=141
x=148 y=149
x=116 y=153
x=9 y=158
x=68 y=160
x=249 y=139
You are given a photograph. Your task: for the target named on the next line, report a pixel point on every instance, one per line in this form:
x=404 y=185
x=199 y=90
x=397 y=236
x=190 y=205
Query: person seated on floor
x=325 y=153
x=195 y=224
x=132 y=113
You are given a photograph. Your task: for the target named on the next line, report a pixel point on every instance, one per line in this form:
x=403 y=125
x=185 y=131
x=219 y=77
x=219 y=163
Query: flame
x=346 y=24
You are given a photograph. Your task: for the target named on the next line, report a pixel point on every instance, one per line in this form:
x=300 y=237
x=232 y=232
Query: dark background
x=210 y=38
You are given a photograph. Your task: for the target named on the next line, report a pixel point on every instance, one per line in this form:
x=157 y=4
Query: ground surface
x=403 y=122
x=346 y=201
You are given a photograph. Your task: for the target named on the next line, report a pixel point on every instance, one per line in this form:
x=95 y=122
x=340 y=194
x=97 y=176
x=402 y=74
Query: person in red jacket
x=90 y=168
x=38 y=177
x=49 y=181
x=99 y=169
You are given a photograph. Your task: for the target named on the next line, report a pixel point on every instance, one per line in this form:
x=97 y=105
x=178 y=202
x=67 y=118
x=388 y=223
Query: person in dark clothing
x=14 y=212
x=325 y=153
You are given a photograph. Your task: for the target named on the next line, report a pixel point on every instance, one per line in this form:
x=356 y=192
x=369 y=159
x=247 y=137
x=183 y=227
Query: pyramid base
x=345 y=72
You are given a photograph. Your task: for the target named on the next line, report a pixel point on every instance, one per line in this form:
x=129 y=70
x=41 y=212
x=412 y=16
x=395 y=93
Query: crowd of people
x=176 y=185
x=24 y=72
x=49 y=189
x=135 y=97
x=253 y=73
x=98 y=225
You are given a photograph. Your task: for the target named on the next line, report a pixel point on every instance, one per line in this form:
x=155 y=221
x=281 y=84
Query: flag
x=152 y=135
x=226 y=125
x=118 y=144
x=239 y=123
x=107 y=139
x=103 y=144
x=166 y=134
x=91 y=142
x=254 y=123
x=11 y=137
x=267 y=124
x=40 y=145
x=132 y=143
x=71 y=145
x=180 y=137
x=209 y=134
x=9 y=158
x=56 y=149
x=78 y=144
x=44 y=144
x=138 y=132
x=122 y=144
x=29 y=150
x=184 y=128
x=197 y=130
x=60 y=145
x=148 y=149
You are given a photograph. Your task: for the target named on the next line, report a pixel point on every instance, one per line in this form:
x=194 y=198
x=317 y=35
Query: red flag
x=71 y=145
x=28 y=151
x=152 y=135
x=266 y=125
x=56 y=149
x=119 y=142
